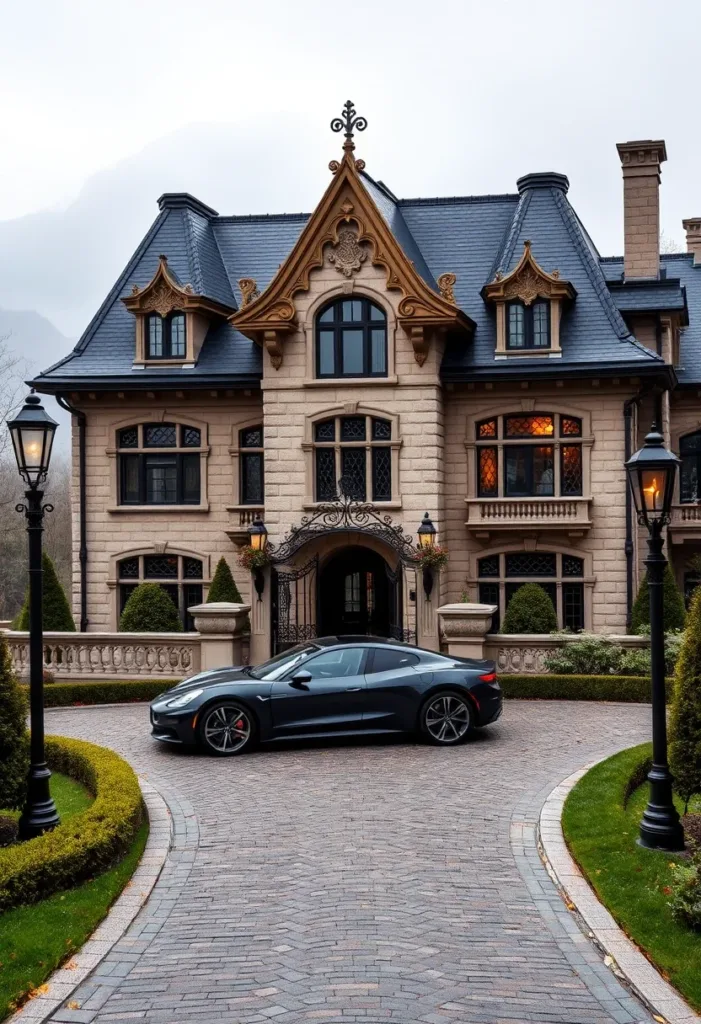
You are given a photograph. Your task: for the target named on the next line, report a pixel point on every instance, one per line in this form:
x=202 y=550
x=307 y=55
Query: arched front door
x=354 y=594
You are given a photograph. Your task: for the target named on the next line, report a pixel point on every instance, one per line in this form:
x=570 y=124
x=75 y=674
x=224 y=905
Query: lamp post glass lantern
x=652 y=473
x=32 y=432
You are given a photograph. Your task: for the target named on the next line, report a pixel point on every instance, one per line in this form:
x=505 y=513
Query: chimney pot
x=641 y=161
x=692 y=226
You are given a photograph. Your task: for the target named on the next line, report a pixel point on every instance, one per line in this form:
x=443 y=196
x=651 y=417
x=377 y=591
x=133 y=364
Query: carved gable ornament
x=164 y=293
x=345 y=231
x=528 y=282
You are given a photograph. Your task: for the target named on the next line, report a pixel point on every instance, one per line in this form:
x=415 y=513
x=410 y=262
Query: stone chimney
x=692 y=226
x=641 y=206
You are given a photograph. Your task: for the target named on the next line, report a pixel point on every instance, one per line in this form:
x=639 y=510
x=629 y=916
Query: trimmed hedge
x=88 y=843
x=627 y=689
x=119 y=691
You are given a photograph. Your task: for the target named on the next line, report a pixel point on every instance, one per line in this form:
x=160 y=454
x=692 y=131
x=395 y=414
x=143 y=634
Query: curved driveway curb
x=622 y=956
x=62 y=983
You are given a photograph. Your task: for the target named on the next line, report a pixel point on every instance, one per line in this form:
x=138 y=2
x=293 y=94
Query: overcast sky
x=105 y=105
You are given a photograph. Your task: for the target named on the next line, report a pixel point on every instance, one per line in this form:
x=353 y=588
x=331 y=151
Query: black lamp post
x=652 y=472
x=32 y=433
x=426 y=535
x=258 y=537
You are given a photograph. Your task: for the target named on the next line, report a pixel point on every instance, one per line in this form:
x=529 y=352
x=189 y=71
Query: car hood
x=230 y=674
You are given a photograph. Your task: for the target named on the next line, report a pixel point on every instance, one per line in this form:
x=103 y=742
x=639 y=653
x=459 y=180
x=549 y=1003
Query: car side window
x=331 y=664
x=385 y=659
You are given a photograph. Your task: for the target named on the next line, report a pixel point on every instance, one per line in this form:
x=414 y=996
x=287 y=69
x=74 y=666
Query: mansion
x=337 y=375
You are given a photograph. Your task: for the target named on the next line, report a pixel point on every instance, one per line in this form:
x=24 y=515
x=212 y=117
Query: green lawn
x=632 y=882
x=35 y=940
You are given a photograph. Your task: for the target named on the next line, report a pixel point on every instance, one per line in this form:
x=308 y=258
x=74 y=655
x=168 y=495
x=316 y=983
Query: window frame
x=499 y=443
x=166 y=336
x=180 y=580
x=560 y=581
x=183 y=457
x=338 y=325
x=528 y=326
x=368 y=445
x=246 y=453
x=693 y=457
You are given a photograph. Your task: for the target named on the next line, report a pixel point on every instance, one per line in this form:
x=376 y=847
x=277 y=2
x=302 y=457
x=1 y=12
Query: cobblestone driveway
x=365 y=882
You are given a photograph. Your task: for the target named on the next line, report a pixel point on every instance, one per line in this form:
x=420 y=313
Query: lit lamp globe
x=426 y=533
x=258 y=535
x=652 y=473
x=32 y=432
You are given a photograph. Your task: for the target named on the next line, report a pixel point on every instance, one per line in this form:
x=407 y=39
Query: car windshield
x=281 y=663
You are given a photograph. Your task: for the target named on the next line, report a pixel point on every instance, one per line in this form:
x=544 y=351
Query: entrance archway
x=355 y=594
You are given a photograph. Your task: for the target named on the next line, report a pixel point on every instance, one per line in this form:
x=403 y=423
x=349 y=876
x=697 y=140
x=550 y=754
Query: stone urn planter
x=463 y=627
x=220 y=625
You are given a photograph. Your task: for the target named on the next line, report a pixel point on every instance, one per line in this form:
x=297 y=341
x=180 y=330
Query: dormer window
x=528 y=327
x=165 y=336
x=351 y=340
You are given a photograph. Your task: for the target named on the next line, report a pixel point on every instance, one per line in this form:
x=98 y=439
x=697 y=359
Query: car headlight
x=183 y=699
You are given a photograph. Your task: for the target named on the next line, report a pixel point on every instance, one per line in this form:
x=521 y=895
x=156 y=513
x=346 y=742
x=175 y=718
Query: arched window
x=165 y=336
x=356 y=449
x=560 y=576
x=157 y=465
x=690 y=451
x=179 y=575
x=529 y=455
x=528 y=327
x=351 y=339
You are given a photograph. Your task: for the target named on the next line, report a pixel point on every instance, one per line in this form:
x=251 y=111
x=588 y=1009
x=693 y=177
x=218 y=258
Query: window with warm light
x=535 y=455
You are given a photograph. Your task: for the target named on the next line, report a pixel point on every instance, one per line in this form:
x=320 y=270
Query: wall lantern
x=426 y=533
x=258 y=538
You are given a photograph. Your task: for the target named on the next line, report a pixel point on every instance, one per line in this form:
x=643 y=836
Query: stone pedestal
x=464 y=627
x=220 y=625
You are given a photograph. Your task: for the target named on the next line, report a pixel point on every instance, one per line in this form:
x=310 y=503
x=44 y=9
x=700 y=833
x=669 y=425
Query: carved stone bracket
x=273 y=346
x=419 y=343
x=446 y=283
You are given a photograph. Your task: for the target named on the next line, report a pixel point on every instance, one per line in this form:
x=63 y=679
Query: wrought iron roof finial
x=349 y=122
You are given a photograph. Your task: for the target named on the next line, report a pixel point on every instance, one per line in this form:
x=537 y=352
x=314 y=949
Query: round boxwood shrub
x=685 y=719
x=57 y=612
x=530 y=611
x=674 y=613
x=149 y=610
x=14 y=750
x=223 y=586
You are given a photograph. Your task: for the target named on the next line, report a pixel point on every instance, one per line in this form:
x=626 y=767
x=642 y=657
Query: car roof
x=350 y=639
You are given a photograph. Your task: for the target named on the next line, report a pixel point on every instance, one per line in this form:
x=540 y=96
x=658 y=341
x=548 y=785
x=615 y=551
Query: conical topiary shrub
x=530 y=611
x=14 y=746
x=223 y=586
x=57 y=611
x=685 y=717
x=674 y=612
x=150 y=610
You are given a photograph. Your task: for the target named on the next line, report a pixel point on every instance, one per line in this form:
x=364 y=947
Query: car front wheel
x=446 y=719
x=226 y=729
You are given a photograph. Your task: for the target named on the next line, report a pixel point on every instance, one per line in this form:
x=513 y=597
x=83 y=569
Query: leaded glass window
x=160 y=566
x=166 y=337
x=571 y=469
x=529 y=426
x=570 y=426
x=353 y=472
x=572 y=566
x=517 y=464
x=530 y=563
x=325 y=431
x=129 y=438
x=251 y=466
x=325 y=474
x=129 y=569
x=251 y=437
x=191 y=437
x=561 y=576
x=351 y=339
x=487 y=428
x=381 y=430
x=690 y=476
x=192 y=568
x=175 y=574
x=488 y=566
x=573 y=606
x=353 y=428
x=528 y=327
x=488 y=485
x=160 y=435
x=357 y=449
x=161 y=477
x=382 y=474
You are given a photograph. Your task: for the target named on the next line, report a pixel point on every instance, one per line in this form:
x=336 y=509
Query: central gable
x=348 y=223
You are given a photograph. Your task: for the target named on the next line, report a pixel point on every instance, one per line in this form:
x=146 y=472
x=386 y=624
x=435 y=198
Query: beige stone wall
x=602 y=547
x=113 y=533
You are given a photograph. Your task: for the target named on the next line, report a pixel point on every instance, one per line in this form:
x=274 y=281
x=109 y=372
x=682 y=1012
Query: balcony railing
x=241 y=518
x=572 y=515
x=685 y=522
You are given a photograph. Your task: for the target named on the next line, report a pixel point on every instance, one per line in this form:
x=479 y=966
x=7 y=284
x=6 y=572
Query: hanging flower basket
x=252 y=559
x=432 y=558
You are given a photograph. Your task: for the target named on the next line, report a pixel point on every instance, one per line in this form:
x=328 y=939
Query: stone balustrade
x=485 y=515
x=525 y=654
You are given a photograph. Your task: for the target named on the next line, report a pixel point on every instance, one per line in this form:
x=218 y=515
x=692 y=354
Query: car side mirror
x=300 y=680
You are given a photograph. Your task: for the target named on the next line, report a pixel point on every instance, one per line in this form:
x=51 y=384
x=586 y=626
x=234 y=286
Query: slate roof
x=471 y=236
x=679 y=268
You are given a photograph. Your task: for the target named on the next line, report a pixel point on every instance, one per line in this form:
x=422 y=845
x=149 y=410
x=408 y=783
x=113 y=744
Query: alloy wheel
x=447 y=718
x=227 y=728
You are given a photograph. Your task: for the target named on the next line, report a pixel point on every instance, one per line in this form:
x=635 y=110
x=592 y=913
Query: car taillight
x=489 y=677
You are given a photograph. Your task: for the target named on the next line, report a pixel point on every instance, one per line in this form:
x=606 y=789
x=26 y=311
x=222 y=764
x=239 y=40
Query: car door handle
x=353 y=689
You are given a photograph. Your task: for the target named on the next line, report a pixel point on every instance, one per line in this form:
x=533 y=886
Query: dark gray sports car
x=338 y=685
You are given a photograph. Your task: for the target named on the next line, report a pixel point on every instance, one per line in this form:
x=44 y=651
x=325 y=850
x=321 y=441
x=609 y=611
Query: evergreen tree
x=223 y=586
x=150 y=610
x=674 y=613
x=14 y=747
x=530 y=610
x=685 y=716
x=57 y=613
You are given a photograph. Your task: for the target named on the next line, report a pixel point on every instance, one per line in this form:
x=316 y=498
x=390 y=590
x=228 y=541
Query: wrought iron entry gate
x=294 y=605
x=402 y=613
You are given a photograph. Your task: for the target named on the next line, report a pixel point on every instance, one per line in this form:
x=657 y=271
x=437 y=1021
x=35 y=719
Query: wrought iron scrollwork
x=349 y=122
x=345 y=513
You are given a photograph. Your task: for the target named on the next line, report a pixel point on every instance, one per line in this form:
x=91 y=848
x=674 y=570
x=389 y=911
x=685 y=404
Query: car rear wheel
x=226 y=729
x=446 y=719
